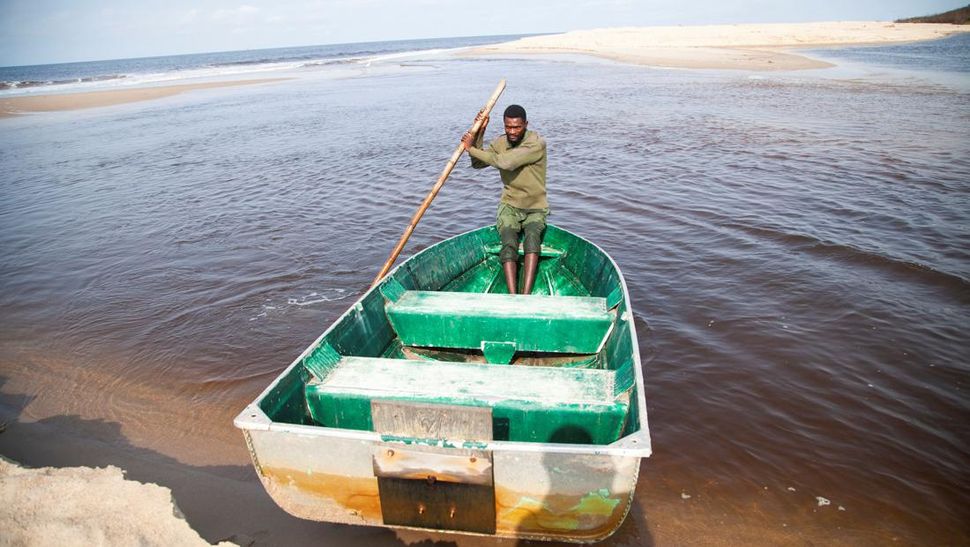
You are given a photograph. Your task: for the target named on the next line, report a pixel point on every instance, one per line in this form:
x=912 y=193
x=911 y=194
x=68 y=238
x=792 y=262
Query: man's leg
x=511 y=268
x=509 y=225
x=531 y=262
x=534 y=226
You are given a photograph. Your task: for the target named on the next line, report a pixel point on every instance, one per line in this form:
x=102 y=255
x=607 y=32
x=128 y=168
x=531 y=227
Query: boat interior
x=441 y=332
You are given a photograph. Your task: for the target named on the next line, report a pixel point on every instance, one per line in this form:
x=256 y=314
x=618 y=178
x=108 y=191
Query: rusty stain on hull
x=588 y=517
x=359 y=495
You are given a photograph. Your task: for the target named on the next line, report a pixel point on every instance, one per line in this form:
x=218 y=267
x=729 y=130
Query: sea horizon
x=136 y=71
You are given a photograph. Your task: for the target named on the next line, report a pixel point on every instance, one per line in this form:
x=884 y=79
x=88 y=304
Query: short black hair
x=515 y=111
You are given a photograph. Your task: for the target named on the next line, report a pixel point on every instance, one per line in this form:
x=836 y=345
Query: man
x=520 y=157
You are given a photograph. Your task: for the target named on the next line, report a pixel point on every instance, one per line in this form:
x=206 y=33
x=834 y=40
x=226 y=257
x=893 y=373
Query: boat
x=440 y=402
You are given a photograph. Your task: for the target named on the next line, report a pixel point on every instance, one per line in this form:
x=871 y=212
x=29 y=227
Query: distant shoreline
x=757 y=47
x=25 y=104
x=734 y=47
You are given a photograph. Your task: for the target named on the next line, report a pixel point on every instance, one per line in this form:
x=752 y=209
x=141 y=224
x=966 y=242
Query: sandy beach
x=83 y=505
x=12 y=106
x=740 y=47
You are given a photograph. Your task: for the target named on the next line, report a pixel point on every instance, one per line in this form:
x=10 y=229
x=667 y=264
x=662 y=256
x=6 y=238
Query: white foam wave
x=317 y=298
x=210 y=72
x=128 y=80
x=407 y=55
x=155 y=78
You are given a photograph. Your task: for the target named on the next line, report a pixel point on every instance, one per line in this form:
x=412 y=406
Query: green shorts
x=513 y=222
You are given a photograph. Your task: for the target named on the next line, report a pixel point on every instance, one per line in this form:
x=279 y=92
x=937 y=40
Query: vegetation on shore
x=959 y=16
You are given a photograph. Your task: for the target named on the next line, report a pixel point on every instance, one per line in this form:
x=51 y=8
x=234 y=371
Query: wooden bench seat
x=537 y=404
x=500 y=324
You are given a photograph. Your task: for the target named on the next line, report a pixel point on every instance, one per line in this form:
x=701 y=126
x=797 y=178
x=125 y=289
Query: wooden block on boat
x=431 y=421
x=536 y=404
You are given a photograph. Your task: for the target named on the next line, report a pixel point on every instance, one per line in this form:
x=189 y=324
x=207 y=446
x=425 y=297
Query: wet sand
x=12 y=106
x=739 y=47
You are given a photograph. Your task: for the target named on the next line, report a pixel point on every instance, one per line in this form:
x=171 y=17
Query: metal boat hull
x=549 y=491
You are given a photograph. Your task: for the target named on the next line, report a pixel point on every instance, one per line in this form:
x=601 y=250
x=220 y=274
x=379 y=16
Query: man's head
x=515 y=124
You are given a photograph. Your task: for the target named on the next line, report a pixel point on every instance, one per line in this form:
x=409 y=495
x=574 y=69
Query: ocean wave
x=110 y=81
x=212 y=70
x=331 y=62
x=27 y=84
x=130 y=72
x=855 y=255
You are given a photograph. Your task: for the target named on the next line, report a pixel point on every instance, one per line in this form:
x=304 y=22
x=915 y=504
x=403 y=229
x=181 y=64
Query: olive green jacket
x=522 y=168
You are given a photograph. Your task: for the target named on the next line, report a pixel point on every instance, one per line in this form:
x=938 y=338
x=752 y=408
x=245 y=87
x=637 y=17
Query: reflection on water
x=795 y=246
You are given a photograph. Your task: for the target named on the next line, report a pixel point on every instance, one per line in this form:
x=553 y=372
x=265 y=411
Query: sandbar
x=737 y=47
x=92 y=506
x=22 y=104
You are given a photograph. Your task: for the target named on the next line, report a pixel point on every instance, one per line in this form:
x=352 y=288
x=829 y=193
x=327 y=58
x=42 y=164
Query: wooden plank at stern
x=479 y=119
x=439 y=487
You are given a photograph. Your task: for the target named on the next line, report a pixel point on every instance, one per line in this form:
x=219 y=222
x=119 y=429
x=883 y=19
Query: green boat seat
x=532 y=404
x=500 y=324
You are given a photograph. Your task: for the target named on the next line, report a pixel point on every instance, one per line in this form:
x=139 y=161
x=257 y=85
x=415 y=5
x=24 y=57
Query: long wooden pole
x=479 y=119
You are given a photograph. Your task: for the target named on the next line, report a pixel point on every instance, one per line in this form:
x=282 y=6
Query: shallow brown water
x=795 y=247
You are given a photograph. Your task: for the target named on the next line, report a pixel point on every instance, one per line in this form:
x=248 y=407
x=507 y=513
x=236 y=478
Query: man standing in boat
x=520 y=157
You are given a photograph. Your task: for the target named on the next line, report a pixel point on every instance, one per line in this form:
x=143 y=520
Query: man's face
x=515 y=129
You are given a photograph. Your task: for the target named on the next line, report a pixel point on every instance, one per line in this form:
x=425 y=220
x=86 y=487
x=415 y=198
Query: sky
x=55 y=31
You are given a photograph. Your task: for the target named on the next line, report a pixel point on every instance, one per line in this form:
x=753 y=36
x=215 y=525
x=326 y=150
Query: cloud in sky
x=33 y=32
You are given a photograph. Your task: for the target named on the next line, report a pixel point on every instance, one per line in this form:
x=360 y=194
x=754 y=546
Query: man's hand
x=469 y=140
x=481 y=132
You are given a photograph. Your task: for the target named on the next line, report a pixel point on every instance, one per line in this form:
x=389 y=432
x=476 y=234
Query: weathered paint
x=539 y=495
x=454 y=319
x=423 y=421
x=591 y=516
x=433 y=465
x=539 y=404
x=498 y=353
x=574 y=497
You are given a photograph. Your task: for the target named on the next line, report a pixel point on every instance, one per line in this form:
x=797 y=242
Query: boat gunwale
x=636 y=444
